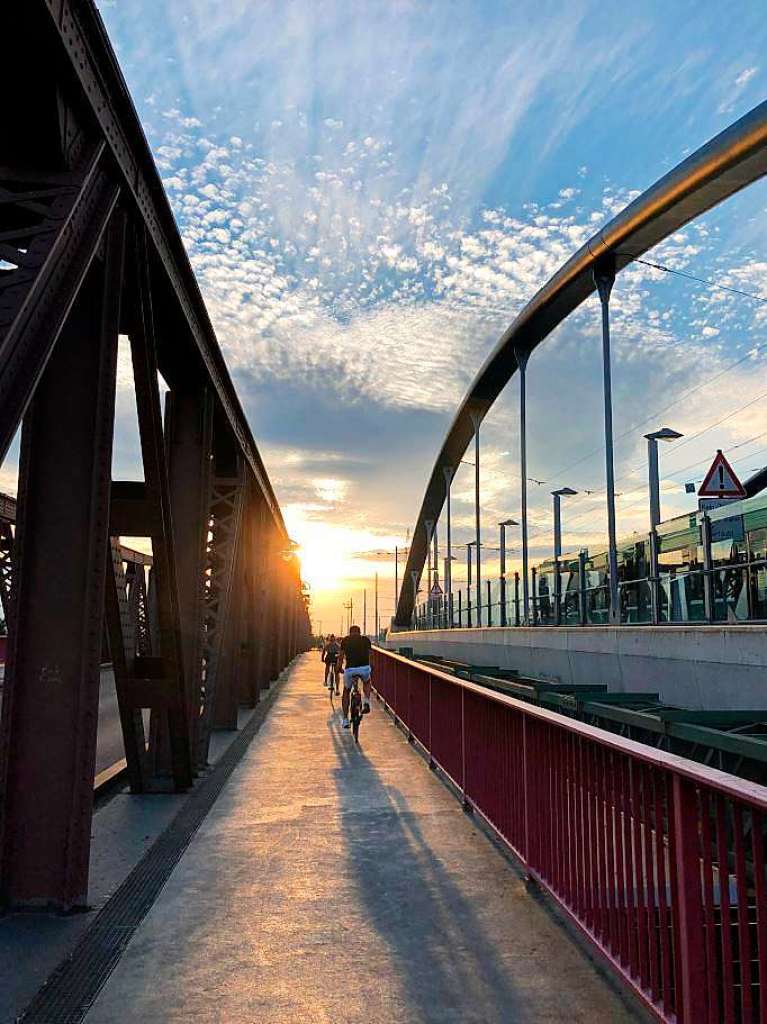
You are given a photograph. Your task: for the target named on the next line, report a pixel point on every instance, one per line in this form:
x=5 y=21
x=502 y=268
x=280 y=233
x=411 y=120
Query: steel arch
x=727 y=163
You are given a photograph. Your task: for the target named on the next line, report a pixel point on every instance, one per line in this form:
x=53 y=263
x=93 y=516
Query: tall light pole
x=429 y=527
x=521 y=358
x=414 y=577
x=396 y=578
x=664 y=434
x=376 y=607
x=476 y=419
x=503 y=525
x=604 y=277
x=364 y=613
x=557 y=495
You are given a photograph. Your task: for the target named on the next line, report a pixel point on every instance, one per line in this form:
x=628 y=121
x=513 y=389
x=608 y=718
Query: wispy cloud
x=369 y=193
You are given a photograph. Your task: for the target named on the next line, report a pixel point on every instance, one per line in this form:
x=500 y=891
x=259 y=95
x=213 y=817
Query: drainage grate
x=71 y=990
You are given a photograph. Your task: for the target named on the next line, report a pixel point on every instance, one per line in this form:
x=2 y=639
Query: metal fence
x=559 y=596
x=658 y=861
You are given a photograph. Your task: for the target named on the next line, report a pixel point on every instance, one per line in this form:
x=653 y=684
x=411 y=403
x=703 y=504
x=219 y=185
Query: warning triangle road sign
x=721 y=481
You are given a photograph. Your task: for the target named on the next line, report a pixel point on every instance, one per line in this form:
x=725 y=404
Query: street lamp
x=563 y=492
x=503 y=525
x=469 y=546
x=448 y=578
x=664 y=434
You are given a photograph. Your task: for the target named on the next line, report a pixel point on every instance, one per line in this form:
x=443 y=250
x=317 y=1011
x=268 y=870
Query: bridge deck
x=334 y=883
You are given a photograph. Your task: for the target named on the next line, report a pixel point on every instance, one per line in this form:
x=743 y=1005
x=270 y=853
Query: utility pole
x=364 y=613
x=376 y=606
x=396 y=578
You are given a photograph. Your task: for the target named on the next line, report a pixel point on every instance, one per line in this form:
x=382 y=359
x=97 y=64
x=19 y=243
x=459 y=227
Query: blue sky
x=370 y=192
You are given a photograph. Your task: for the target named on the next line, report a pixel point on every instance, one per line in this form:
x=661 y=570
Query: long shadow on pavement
x=449 y=966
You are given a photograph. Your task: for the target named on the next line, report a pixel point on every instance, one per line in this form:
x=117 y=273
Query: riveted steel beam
x=91 y=60
x=51 y=698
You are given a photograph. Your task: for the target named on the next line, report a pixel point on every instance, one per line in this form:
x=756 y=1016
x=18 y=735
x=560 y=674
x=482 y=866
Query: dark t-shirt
x=356 y=648
x=331 y=652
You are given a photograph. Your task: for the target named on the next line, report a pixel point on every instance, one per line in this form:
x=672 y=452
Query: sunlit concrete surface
x=331 y=883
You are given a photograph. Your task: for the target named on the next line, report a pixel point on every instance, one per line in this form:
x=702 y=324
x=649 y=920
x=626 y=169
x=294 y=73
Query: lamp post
x=447 y=576
x=604 y=278
x=664 y=434
x=562 y=492
x=429 y=525
x=557 y=495
x=469 y=546
x=503 y=525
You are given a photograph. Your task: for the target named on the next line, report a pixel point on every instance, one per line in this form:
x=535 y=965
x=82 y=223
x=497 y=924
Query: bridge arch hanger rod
x=724 y=165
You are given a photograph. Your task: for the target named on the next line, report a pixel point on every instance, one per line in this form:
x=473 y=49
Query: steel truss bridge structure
x=732 y=160
x=89 y=250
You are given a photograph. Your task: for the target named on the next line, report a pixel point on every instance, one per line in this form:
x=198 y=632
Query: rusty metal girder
x=86 y=46
x=50 y=230
x=221 y=620
x=51 y=691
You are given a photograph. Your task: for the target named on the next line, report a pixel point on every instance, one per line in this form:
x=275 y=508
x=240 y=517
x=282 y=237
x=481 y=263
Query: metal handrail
x=658 y=861
x=727 y=163
x=729 y=785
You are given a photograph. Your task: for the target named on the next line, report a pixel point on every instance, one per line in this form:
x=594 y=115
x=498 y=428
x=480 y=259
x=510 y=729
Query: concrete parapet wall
x=693 y=666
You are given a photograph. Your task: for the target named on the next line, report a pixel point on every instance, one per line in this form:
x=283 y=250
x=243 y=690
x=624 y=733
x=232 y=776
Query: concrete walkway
x=337 y=884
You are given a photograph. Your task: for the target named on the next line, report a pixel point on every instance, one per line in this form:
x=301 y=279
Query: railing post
x=489 y=608
x=460 y=611
x=468 y=608
x=504 y=621
x=692 y=984
x=528 y=769
x=516 y=598
x=582 y=588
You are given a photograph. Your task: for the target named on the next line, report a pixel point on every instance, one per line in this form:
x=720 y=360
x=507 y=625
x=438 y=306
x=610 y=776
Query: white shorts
x=362 y=671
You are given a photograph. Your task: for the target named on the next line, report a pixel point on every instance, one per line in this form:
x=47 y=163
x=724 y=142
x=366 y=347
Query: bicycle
x=355 y=708
x=330 y=676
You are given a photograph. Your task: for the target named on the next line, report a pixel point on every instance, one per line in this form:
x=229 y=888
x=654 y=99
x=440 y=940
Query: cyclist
x=355 y=651
x=331 y=652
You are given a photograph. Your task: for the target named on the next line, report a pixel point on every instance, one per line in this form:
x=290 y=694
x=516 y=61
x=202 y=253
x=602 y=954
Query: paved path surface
x=338 y=884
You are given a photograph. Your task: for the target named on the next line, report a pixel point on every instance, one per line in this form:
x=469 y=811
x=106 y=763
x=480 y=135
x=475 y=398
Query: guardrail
x=658 y=861
x=731 y=593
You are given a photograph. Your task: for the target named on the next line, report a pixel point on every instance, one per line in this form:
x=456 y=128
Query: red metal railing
x=659 y=861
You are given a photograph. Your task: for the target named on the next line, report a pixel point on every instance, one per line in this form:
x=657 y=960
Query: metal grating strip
x=71 y=990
